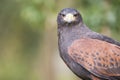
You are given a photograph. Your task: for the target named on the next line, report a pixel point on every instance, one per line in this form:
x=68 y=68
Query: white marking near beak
x=69 y=17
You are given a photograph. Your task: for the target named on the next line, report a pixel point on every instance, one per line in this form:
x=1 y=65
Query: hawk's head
x=69 y=16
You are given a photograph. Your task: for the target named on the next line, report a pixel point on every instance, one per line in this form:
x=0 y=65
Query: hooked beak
x=69 y=18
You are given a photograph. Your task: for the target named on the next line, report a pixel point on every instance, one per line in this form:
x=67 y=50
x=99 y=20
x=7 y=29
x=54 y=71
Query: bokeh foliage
x=28 y=38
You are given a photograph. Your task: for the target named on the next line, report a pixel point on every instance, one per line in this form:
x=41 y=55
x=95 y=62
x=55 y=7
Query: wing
x=98 y=36
x=98 y=57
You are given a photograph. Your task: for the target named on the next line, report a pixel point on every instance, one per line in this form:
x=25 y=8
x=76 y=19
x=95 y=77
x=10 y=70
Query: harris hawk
x=90 y=55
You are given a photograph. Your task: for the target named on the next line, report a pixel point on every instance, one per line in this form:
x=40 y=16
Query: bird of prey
x=90 y=55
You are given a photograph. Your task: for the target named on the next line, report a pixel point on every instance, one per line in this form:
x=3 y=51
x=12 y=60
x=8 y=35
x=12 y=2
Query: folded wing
x=98 y=57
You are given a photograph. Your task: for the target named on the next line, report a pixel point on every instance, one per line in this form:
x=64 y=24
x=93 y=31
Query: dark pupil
x=63 y=15
x=75 y=15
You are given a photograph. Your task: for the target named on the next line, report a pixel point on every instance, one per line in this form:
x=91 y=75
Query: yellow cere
x=69 y=17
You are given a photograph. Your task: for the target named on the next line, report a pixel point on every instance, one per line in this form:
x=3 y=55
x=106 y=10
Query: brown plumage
x=98 y=57
x=90 y=55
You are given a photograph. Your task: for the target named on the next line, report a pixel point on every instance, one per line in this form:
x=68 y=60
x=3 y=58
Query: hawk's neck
x=68 y=34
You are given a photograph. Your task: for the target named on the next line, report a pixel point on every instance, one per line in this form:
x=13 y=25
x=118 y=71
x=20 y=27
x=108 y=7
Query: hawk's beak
x=69 y=17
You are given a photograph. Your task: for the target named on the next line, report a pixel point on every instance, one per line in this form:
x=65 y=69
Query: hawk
x=90 y=55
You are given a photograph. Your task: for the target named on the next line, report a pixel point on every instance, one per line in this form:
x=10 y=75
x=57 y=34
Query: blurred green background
x=28 y=35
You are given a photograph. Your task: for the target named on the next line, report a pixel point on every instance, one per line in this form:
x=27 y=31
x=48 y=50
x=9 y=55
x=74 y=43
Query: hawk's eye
x=63 y=15
x=75 y=15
